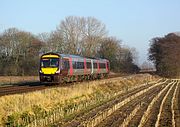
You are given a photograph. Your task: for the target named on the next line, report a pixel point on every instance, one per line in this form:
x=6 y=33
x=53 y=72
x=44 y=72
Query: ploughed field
x=153 y=104
x=138 y=100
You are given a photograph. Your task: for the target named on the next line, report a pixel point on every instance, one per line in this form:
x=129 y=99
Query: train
x=60 y=68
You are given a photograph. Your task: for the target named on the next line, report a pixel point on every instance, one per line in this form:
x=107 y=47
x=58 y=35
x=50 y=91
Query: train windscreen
x=50 y=62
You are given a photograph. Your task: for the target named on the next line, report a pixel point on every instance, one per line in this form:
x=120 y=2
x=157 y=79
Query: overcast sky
x=134 y=22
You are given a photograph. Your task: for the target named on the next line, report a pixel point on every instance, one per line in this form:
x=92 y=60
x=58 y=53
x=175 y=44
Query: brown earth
x=117 y=117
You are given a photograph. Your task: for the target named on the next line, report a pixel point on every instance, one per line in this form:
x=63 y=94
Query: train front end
x=49 y=70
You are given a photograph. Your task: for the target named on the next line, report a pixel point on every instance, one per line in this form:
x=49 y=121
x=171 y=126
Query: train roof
x=72 y=56
x=69 y=55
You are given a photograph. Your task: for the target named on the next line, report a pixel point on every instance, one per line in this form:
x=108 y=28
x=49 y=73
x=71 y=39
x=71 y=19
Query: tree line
x=85 y=36
x=165 y=53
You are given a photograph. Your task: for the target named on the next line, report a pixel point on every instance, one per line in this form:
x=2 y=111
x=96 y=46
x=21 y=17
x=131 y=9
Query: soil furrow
x=92 y=113
x=166 y=113
x=117 y=117
x=177 y=106
x=155 y=109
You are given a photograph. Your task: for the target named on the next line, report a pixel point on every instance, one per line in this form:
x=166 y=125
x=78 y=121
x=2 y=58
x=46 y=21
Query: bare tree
x=109 y=50
x=81 y=34
x=56 y=42
x=71 y=32
x=18 y=46
x=93 y=31
x=9 y=42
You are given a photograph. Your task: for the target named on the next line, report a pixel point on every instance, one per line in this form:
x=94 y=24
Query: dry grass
x=17 y=79
x=49 y=98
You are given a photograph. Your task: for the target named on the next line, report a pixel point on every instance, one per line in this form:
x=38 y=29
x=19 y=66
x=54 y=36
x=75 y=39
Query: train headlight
x=58 y=71
x=40 y=72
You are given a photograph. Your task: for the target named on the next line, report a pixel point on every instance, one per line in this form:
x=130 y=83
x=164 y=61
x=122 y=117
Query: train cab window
x=50 y=62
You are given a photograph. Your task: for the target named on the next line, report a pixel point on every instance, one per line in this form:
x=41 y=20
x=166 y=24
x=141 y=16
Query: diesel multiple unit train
x=59 y=68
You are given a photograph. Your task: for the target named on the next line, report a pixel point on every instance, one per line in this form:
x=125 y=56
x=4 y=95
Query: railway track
x=150 y=105
x=20 y=89
x=34 y=86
